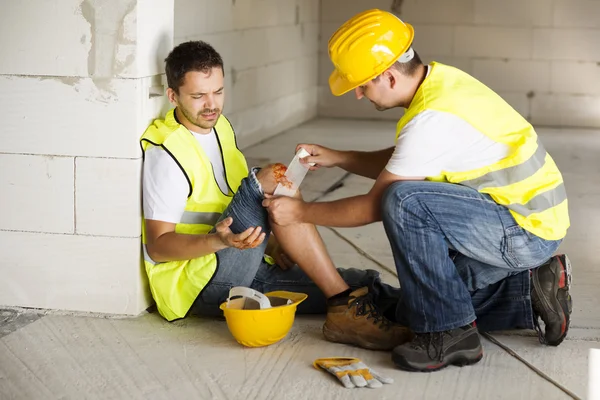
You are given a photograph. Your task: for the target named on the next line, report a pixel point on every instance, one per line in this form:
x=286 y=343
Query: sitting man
x=205 y=229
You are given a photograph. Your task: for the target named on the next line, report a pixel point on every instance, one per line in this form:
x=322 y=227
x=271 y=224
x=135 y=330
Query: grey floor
x=57 y=355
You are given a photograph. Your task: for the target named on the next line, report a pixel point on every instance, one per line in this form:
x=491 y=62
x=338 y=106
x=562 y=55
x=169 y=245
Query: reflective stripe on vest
x=517 y=173
x=196 y=217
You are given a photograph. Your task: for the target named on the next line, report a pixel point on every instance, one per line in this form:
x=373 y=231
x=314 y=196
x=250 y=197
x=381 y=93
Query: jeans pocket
x=524 y=250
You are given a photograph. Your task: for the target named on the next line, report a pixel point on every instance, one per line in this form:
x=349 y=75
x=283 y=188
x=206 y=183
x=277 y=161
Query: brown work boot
x=355 y=320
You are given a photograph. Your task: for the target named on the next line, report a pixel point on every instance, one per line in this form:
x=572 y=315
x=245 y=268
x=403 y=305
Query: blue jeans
x=248 y=267
x=460 y=257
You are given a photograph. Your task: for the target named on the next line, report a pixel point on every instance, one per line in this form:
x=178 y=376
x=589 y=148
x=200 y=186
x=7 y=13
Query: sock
x=340 y=295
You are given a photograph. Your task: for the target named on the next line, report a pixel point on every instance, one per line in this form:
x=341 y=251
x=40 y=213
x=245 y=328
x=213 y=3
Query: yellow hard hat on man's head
x=365 y=46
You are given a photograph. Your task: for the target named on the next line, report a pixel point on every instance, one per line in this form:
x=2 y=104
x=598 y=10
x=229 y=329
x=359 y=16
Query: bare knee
x=271 y=175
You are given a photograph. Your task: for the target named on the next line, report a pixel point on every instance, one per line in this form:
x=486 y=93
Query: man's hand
x=249 y=239
x=284 y=210
x=321 y=156
x=275 y=250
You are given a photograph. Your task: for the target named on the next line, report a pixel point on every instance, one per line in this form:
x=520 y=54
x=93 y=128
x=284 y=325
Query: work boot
x=429 y=352
x=356 y=320
x=551 y=299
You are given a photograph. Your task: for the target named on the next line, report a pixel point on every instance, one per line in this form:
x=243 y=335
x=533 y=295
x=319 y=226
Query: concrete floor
x=48 y=355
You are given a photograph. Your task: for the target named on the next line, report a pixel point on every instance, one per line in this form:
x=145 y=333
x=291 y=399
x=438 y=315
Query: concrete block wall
x=542 y=56
x=270 y=51
x=79 y=82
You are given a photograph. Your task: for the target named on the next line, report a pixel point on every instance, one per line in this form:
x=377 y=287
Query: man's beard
x=198 y=121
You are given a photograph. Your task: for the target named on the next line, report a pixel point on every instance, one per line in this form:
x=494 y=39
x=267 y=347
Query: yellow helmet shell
x=258 y=328
x=364 y=47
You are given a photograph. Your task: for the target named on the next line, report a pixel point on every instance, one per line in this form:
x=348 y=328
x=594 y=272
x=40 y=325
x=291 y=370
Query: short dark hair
x=190 y=56
x=409 y=68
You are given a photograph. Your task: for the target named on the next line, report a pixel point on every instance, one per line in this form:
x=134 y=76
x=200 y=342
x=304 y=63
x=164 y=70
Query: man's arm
x=348 y=212
x=369 y=164
x=164 y=244
x=364 y=163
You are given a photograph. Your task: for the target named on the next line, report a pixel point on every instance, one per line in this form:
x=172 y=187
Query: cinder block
x=431 y=39
x=190 y=19
x=154 y=37
x=37 y=193
x=347 y=106
x=31 y=45
x=566 y=110
x=566 y=44
x=86 y=39
x=306 y=72
x=246 y=53
x=71 y=272
x=108 y=197
x=575 y=77
x=519 y=101
x=309 y=10
x=325 y=69
x=71 y=116
x=219 y=15
x=246 y=89
x=492 y=42
x=265 y=13
x=284 y=43
x=514 y=13
x=254 y=14
x=576 y=14
x=513 y=75
x=309 y=38
x=436 y=11
x=339 y=11
x=259 y=123
x=275 y=80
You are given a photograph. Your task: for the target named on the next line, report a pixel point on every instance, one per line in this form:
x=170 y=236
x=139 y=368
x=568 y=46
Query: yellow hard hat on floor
x=262 y=326
x=365 y=46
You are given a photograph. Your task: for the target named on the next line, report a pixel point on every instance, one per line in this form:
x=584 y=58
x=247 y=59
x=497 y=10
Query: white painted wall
x=75 y=81
x=270 y=51
x=542 y=56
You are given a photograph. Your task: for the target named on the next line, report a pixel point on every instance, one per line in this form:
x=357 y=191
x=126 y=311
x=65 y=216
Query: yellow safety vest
x=527 y=181
x=176 y=284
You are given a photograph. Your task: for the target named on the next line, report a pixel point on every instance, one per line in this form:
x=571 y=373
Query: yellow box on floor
x=256 y=327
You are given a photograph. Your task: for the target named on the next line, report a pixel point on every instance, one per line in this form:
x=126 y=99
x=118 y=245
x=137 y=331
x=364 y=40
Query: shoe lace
x=536 y=319
x=432 y=342
x=365 y=306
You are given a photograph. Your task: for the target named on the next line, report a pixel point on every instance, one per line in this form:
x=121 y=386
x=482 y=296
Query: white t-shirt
x=435 y=141
x=164 y=186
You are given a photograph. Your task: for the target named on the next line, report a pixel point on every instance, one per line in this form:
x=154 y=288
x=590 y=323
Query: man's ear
x=390 y=78
x=172 y=96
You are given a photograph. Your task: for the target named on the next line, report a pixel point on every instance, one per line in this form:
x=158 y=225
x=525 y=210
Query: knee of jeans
x=393 y=197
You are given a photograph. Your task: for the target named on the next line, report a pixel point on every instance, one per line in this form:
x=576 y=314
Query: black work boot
x=429 y=352
x=551 y=299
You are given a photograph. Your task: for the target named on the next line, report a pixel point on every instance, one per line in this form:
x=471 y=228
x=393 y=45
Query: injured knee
x=272 y=175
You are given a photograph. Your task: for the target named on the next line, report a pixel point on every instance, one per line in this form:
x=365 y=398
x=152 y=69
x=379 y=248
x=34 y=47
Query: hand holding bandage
x=352 y=372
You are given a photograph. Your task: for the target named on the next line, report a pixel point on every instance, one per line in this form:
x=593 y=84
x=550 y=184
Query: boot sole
x=334 y=336
x=554 y=303
x=459 y=359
